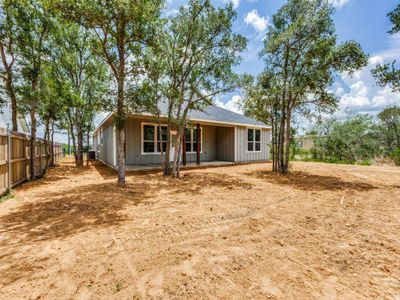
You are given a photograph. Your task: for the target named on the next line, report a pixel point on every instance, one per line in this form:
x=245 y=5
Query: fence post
x=9 y=159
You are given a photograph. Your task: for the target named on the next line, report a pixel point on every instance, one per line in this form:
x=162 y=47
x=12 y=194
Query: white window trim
x=192 y=141
x=154 y=140
x=254 y=142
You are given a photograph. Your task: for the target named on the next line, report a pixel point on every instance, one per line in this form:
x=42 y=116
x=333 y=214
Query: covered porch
x=189 y=165
x=204 y=144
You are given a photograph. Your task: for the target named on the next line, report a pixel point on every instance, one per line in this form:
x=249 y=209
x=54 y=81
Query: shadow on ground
x=58 y=213
x=311 y=182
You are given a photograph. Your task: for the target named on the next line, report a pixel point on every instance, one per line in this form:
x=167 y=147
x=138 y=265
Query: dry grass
x=324 y=231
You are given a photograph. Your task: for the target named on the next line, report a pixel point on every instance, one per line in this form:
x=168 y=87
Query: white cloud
x=232 y=105
x=235 y=3
x=339 y=3
x=258 y=23
x=393 y=51
x=364 y=95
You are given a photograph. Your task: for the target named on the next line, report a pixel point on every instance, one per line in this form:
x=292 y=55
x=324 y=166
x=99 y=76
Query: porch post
x=198 y=143
x=184 y=147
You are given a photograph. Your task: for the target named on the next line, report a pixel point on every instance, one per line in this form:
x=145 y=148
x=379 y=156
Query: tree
x=51 y=108
x=390 y=118
x=356 y=138
x=7 y=52
x=302 y=55
x=260 y=103
x=80 y=77
x=200 y=51
x=32 y=27
x=389 y=74
x=122 y=29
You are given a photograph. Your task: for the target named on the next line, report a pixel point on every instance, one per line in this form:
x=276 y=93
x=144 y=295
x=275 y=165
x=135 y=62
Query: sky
x=365 y=21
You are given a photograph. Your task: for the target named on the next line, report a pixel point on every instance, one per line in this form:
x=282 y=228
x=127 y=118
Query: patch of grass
x=6 y=197
x=365 y=162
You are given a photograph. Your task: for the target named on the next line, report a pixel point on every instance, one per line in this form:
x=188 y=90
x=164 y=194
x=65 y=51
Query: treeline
x=358 y=138
x=63 y=61
x=302 y=58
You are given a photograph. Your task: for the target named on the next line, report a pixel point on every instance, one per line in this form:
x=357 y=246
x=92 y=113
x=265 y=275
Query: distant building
x=305 y=142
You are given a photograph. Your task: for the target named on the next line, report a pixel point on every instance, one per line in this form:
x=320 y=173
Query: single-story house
x=225 y=137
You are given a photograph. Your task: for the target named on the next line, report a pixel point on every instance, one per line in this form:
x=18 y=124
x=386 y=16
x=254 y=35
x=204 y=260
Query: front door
x=173 y=145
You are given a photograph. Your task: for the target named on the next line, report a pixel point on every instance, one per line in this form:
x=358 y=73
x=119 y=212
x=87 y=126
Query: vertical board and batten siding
x=242 y=155
x=134 y=154
x=105 y=145
x=225 y=143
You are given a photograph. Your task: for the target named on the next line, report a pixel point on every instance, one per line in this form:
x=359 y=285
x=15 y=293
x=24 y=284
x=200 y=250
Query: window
x=148 y=138
x=152 y=135
x=191 y=140
x=253 y=140
x=162 y=136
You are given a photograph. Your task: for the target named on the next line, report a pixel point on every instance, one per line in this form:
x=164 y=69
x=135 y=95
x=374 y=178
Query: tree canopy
x=301 y=57
x=389 y=74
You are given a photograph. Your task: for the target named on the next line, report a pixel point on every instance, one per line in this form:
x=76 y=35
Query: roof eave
x=192 y=120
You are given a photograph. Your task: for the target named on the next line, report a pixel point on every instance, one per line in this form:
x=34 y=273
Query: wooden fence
x=15 y=158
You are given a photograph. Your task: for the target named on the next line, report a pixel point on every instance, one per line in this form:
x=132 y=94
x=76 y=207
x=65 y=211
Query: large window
x=253 y=140
x=152 y=135
x=191 y=140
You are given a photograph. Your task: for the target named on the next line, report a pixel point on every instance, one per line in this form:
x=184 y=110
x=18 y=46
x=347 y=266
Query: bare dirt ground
x=326 y=232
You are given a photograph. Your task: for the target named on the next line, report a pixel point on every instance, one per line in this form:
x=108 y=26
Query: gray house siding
x=134 y=154
x=242 y=155
x=219 y=142
x=225 y=143
x=104 y=144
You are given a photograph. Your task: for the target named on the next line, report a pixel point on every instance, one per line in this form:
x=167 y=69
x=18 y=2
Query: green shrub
x=365 y=162
x=395 y=155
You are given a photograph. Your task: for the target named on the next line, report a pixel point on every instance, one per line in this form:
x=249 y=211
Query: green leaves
x=349 y=57
x=388 y=74
x=201 y=51
x=394 y=17
x=300 y=50
x=356 y=138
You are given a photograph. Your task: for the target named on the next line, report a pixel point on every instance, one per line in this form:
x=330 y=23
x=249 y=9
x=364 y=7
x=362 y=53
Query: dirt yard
x=326 y=232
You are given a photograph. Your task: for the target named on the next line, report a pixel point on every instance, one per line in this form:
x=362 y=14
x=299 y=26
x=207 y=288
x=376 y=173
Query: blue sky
x=362 y=20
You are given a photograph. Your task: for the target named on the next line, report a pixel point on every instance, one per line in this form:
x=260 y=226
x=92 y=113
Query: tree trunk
x=69 y=142
x=281 y=150
x=166 y=163
x=176 y=161
x=287 y=141
x=32 y=141
x=87 y=142
x=273 y=142
x=79 y=161
x=52 y=143
x=10 y=87
x=121 y=130
x=47 y=139
x=72 y=133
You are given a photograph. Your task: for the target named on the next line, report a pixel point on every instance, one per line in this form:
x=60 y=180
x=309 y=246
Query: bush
x=395 y=155
x=365 y=162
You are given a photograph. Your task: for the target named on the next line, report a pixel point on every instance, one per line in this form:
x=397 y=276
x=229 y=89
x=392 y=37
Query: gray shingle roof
x=218 y=114
x=211 y=114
